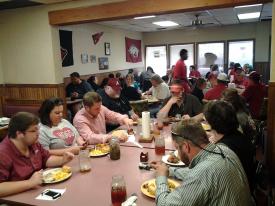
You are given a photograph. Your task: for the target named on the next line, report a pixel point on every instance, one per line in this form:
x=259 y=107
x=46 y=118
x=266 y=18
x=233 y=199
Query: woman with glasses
x=55 y=133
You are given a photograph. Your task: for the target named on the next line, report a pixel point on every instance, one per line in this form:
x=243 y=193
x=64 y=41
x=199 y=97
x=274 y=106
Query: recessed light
x=165 y=23
x=252 y=5
x=145 y=17
x=252 y=15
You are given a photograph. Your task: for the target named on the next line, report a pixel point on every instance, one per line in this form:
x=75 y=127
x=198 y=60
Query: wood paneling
x=132 y=8
x=271 y=130
x=264 y=69
x=30 y=94
x=1 y=95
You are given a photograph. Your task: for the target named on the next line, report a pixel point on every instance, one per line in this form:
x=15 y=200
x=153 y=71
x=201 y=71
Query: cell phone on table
x=54 y=195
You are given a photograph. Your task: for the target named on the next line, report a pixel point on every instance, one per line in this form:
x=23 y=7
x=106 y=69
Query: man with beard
x=215 y=175
x=115 y=101
x=180 y=102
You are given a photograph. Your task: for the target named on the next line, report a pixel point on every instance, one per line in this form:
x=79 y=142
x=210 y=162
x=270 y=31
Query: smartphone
x=52 y=194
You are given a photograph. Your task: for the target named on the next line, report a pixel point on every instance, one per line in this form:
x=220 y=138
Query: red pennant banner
x=97 y=36
x=133 y=50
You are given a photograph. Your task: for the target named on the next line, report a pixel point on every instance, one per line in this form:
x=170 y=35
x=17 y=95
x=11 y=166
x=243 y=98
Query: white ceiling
x=215 y=17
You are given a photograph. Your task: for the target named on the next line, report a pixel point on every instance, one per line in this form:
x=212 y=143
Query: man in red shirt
x=180 y=71
x=216 y=91
x=194 y=73
x=22 y=158
x=254 y=94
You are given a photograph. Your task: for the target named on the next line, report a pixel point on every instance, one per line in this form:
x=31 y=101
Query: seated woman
x=245 y=120
x=22 y=158
x=130 y=91
x=57 y=134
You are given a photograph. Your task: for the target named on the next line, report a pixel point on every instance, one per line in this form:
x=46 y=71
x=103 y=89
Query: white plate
x=165 y=160
x=51 y=172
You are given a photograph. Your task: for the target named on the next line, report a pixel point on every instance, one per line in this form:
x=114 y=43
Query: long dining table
x=94 y=187
x=165 y=132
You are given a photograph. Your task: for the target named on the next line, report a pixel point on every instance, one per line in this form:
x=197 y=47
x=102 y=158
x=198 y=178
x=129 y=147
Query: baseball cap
x=176 y=88
x=114 y=83
x=222 y=77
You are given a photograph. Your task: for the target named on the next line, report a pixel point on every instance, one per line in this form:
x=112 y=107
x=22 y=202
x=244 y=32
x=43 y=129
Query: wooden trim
x=128 y=9
x=271 y=130
x=30 y=94
x=32 y=85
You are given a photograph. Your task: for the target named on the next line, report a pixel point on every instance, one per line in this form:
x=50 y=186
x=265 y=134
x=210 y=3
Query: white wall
x=83 y=43
x=259 y=31
x=29 y=45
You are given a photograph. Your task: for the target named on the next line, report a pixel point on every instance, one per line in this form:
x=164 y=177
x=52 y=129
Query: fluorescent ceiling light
x=145 y=17
x=252 y=15
x=165 y=23
x=252 y=5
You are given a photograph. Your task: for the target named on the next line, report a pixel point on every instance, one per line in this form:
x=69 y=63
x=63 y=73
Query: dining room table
x=94 y=187
x=165 y=132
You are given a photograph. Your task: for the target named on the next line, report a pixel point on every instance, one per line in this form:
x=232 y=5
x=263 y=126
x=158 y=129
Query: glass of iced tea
x=84 y=161
x=118 y=190
x=159 y=145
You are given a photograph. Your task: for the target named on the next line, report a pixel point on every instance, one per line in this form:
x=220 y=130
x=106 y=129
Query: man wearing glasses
x=215 y=175
x=22 y=158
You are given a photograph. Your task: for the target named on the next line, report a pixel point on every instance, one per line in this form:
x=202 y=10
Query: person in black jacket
x=200 y=85
x=93 y=83
x=224 y=123
x=115 y=101
x=129 y=90
x=78 y=87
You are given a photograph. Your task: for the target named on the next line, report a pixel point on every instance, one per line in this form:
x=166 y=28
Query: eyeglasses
x=197 y=145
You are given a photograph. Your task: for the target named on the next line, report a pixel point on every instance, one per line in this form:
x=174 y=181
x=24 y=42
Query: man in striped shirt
x=215 y=175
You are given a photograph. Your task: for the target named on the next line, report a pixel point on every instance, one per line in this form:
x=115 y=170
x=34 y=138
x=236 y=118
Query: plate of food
x=56 y=175
x=100 y=150
x=205 y=126
x=148 y=188
x=172 y=159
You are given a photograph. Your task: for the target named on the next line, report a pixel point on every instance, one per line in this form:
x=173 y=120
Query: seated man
x=91 y=120
x=254 y=94
x=215 y=175
x=224 y=123
x=216 y=91
x=180 y=102
x=159 y=89
x=114 y=100
x=78 y=87
x=22 y=158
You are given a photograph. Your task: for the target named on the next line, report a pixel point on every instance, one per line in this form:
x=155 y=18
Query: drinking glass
x=118 y=190
x=160 y=145
x=84 y=161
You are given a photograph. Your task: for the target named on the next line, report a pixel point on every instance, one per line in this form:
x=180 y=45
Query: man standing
x=180 y=102
x=78 y=87
x=215 y=175
x=180 y=71
x=91 y=120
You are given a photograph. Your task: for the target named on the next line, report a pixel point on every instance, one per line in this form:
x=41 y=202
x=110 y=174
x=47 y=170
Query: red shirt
x=254 y=96
x=195 y=73
x=16 y=167
x=180 y=72
x=215 y=92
